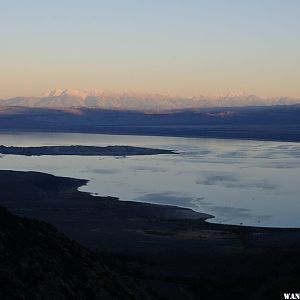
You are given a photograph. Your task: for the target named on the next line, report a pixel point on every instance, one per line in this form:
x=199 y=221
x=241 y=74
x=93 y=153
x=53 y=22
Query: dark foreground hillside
x=37 y=262
x=169 y=252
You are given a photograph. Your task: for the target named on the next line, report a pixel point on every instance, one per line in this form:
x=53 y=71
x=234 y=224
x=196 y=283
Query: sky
x=175 y=47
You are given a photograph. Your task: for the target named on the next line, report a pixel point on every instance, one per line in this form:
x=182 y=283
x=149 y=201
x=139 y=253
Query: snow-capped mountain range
x=106 y=99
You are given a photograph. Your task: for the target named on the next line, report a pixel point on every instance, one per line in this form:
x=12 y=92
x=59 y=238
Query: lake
x=239 y=182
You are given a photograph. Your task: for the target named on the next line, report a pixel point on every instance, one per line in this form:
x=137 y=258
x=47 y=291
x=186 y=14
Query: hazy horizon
x=149 y=149
x=98 y=91
x=180 y=48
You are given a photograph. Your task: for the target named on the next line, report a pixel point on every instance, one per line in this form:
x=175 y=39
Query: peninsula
x=82 y=150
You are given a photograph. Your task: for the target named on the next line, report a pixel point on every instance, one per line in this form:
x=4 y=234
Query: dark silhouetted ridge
x=37 y=262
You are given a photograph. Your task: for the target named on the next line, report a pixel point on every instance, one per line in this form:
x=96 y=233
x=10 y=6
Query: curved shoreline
x=55 y=199
x=166 y=248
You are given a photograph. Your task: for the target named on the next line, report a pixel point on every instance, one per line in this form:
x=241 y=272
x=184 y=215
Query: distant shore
x=291 y=135
x=268 y=123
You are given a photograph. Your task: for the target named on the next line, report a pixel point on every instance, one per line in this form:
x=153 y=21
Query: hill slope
x=37 y=262
x=263 y=123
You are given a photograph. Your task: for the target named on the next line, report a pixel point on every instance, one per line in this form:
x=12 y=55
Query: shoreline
x=190 y=212
x=67 y=188
x=179 y=212
x=169 y=250
x=145 y=134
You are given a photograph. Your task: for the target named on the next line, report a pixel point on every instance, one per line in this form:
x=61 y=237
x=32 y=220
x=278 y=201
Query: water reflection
x=234 y=180
x=249 y=182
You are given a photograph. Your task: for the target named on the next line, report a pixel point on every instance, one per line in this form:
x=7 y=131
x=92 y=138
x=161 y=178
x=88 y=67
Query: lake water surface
x=250 y=182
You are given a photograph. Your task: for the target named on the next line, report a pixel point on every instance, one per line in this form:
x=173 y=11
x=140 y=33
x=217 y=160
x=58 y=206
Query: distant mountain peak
x=66 y=92
x=124 y=100
x=231 y=94
x=238 y=94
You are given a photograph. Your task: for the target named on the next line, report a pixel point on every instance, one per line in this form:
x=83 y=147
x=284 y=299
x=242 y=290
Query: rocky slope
x=37 y=262
x=172 y=252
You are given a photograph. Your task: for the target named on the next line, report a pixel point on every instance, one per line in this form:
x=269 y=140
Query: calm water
x=250 y=182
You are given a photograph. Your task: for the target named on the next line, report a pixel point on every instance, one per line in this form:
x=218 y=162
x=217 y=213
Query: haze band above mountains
x=139 y=101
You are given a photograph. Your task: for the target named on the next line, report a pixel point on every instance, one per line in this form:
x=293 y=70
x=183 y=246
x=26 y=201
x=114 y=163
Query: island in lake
x=83 y=150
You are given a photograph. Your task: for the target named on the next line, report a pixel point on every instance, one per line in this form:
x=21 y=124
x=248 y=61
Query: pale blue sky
x=177 y=47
